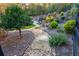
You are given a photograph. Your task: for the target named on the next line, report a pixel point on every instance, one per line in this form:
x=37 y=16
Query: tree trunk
x=20 y=33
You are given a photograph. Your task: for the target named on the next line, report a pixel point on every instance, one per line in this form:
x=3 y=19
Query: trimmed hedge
x=53 y=24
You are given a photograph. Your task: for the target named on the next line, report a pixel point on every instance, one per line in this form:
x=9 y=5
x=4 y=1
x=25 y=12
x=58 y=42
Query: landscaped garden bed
x=39 y=29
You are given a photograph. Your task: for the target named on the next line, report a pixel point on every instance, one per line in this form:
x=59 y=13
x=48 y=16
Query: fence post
x=75 y=38
x=1 y=52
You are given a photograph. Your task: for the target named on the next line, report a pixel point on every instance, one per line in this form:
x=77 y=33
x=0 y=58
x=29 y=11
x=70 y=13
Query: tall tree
x=14 y=18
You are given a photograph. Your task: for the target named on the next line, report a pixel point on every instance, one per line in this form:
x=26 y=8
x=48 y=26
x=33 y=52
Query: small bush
x=69 y=26
x=57 y=39
x=49 y=18
x=62 y=13
x=53 y=24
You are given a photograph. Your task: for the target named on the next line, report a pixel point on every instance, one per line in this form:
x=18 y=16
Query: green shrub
x=69 y=26
x=62 y=13
x=53 y=24
x=49 y=18
x=57 y=39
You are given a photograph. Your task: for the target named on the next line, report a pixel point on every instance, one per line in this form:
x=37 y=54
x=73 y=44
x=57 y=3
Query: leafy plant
x=53 y=24
x=49 y=18
x=69 y=25
x=14 y=18
x=57 y=39
x=62 y=13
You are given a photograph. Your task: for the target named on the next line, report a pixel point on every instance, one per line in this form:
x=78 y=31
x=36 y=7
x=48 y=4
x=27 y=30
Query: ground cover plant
x=57 y=39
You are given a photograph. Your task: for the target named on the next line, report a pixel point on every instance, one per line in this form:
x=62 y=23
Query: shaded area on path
x=14 y=46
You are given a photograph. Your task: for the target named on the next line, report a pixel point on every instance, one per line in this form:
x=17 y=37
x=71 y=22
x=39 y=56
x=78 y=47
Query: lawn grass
x=24 y=27
x=28 y=27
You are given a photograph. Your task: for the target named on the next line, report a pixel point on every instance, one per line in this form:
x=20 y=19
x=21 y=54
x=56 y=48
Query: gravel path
x=40 y=46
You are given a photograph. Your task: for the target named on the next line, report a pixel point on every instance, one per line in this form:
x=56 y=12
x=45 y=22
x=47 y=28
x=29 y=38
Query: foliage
x=60 y=17
x=59 y=7
x=28 y=27
x=53 y=24
x=69 y=25
x=60 y=28
x=38 y=9
x=74 y=10
x=49 y=18
x=27 y=20
x=52 y=8
x=72 y=13
x=57 y=39
x=34 y=10
x=14 y=18
x=62 y=13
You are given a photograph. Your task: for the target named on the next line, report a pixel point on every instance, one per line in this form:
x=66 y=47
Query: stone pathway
x=40 y=46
